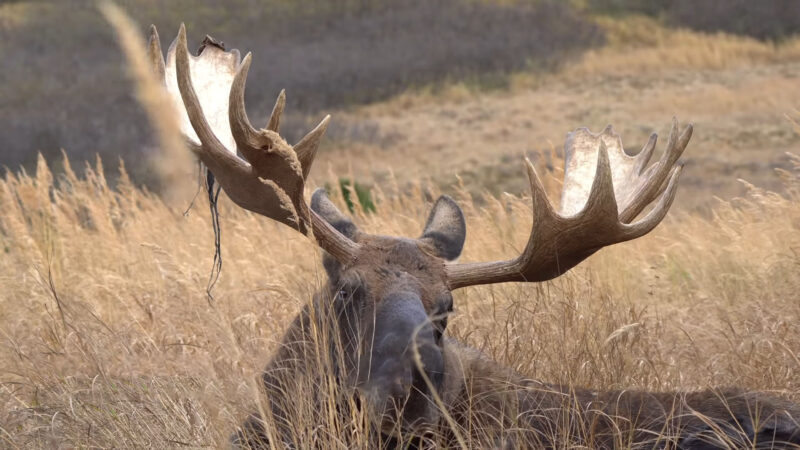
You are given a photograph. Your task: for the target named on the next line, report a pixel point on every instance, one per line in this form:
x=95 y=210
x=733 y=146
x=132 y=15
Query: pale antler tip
x=526 y=159
x=533 y=177
x=659 y=211
x=650 y=145
x=673 y=130
x=646 y=153
x=246 y=137
x=541 y=204
x=182 y=65
x=679 y=143
x=529 y=167
x=244 y=67
x=274 y=121
x=155 y=53
x=602 y=191
x=182 y=45
x=306 y=149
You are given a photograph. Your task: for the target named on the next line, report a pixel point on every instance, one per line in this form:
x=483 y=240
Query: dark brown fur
x=492 y=406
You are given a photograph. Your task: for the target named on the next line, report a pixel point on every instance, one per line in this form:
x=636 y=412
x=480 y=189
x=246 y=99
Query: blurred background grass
x=63 y=82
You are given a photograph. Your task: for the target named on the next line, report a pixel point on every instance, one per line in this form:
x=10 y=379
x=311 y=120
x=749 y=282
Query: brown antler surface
x=269 y=177
x=604 y=191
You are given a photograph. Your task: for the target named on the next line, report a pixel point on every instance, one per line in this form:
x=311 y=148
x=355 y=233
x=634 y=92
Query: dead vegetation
x=736 y=90
x=108 y=339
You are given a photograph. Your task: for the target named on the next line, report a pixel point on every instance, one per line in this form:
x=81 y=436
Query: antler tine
x=274 y=122
x=155 y=53
x=198 y=120
x=559 y=242
x=545 y=221
x=657 y=175
x=270 y=180
x=306 y=149
x=544 y=216
x=646 y=153
x=211 y=151
x=657 y=214
x=601 y=201
x=541 y=205
x=248 y=140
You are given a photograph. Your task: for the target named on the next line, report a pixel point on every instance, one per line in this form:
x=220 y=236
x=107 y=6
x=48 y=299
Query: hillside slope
x=737 y=92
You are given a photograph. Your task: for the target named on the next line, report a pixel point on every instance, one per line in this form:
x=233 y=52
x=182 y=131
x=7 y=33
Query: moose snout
x=389 y=383
x=404 y=358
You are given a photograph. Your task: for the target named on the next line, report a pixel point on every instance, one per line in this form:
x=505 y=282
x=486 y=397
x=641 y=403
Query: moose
x=385 y=305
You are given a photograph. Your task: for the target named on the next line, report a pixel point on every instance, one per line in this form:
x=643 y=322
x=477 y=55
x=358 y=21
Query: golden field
x=108 y=339
x=737 y=91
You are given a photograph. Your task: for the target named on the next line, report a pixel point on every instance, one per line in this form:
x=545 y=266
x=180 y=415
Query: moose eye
x=438 y=328
x=440 y=324
x=445 y=307
x=349 y=293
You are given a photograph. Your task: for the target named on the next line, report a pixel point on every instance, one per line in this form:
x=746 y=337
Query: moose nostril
x=395 y=384
x=400 y=387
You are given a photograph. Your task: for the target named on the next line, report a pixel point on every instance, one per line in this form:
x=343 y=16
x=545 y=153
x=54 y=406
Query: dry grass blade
x=716 y=299
x=172 y=163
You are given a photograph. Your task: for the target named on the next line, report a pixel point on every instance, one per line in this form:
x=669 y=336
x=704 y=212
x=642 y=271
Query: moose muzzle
x=405 y=362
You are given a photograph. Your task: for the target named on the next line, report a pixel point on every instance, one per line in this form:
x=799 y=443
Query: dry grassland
x=736 y=90
x=107 y=338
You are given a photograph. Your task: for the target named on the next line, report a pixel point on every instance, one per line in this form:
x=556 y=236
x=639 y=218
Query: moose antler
x=208 y=90
x=596 y=209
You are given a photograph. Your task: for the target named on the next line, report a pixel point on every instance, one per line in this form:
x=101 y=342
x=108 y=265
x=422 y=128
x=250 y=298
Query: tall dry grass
x=642 y=45
x=173 y=162
x=107 y=337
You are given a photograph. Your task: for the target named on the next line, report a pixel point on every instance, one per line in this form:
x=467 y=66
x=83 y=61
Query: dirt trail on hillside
x=741 y=129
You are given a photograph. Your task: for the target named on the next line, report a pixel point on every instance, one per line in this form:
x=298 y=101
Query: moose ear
x=445 y=229
x=322 y=205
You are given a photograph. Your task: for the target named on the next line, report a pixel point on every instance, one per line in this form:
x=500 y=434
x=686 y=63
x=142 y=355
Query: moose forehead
x=388 y=263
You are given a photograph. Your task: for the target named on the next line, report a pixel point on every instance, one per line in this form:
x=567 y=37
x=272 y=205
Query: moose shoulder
x=375 y=334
